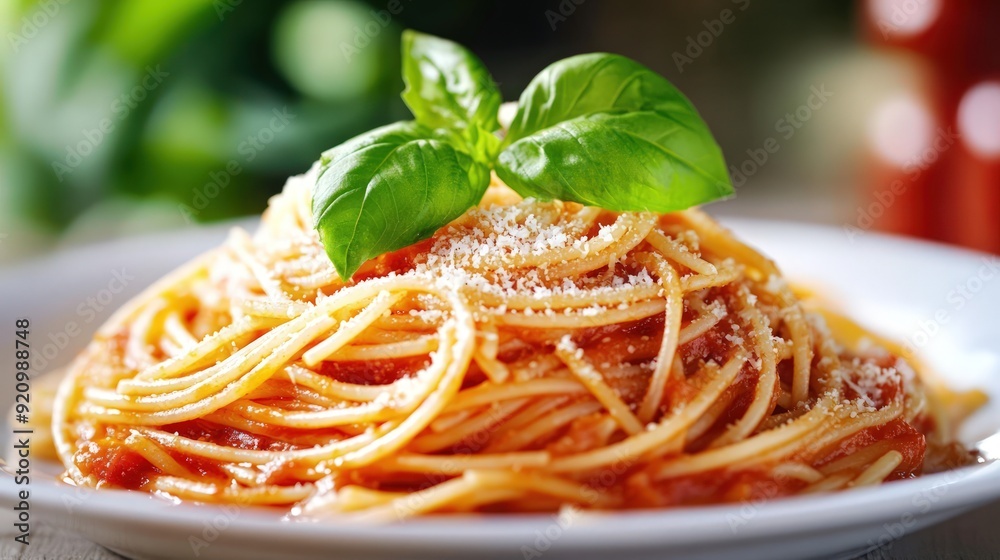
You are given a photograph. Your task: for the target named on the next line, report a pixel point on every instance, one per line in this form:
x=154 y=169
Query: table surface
x=972 y=536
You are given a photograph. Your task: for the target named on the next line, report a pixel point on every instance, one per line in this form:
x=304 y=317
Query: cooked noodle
x=529 y=355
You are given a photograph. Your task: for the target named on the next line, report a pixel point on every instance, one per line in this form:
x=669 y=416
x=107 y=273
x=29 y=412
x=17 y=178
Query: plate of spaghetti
x=534 y=367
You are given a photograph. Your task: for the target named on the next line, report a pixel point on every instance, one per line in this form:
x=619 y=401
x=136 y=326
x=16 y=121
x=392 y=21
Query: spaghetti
x=528 y=356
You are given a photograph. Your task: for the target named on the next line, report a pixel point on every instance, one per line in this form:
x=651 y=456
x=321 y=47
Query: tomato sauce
x=903 y=437
x=114 y=464
x=710 y=487
x=203 y=430
x=399 y=261
x=372 y=372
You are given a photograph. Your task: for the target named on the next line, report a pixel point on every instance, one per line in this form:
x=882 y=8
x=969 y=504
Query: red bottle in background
x=955 y=196
x=901 y=169
x=974 y=211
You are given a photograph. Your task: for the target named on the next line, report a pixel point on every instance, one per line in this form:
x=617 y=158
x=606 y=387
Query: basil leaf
x=626 y=161
x=390 y=188
x=593 y=83
x=447 y=86
x=604 y=130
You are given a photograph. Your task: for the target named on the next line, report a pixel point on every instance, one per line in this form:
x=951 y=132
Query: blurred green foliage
x=140 y=104
x=125 y=115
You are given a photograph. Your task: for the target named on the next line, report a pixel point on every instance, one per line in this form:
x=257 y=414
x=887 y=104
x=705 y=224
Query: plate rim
x=977 y=484
x=974 y=485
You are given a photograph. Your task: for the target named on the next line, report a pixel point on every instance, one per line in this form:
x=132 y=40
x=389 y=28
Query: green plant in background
x=119 y=115
x=333 y=64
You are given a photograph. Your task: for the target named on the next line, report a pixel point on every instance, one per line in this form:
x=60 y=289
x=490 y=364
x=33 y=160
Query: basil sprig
x=448 y=88
x=598 y=129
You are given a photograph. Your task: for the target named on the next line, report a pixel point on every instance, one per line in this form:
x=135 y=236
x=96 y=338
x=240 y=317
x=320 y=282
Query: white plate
x=901 y=288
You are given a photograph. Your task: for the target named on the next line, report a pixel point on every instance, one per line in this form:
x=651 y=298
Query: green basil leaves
x=598 y=129
x=604 y=130
x=639 y=153
x=396 y=185
x=390 y=188
x=448 y=87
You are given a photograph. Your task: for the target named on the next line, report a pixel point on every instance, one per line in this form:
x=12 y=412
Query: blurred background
x=120 y=117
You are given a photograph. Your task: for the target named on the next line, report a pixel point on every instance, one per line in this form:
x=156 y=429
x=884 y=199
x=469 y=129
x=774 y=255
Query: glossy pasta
x=531 y=355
